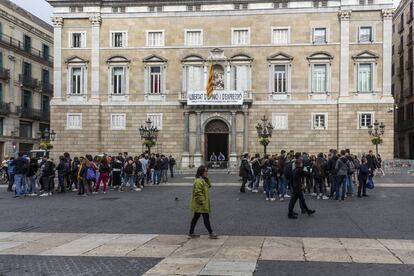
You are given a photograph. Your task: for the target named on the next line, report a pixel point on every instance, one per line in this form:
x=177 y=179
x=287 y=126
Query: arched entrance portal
x=216 y=139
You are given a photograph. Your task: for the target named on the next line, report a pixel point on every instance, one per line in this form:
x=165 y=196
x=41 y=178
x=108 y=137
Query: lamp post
x=46 y=137
x=149 y=134
x=14 y=142
x=264 y=132
x=376 y=131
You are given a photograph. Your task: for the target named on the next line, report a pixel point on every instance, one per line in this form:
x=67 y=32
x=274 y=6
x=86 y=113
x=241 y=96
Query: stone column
x=96 y=25
x=185 y=159
x=198 y=160
x=344 y=17
x=57 y=60
x=233 y=153
x=246 y=131
x=386 y=52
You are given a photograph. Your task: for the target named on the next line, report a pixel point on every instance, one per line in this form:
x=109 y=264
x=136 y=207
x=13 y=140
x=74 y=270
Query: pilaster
x=233 y=153
x=96 y=25
x=197 y=155
x=344 y=17
x=57 y=61
x=185 y=158
x=386 y=52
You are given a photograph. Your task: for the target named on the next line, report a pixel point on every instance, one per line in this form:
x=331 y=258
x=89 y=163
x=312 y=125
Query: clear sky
x=43 y=10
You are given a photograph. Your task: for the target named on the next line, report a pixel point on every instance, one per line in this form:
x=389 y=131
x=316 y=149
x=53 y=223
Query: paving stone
x=283 y=242
x=153 y=251
x=398 y=244
x=282 y=253
x=373 y=256
x=193 y=251
x=179 y=266
x=9 y=244
x=5 y=235
x=168 y=240
x=111 y=250
x=217 y=267
x=245 y=241
x=407 y=256
x=238 y=253
x=362 y=244
x=322 y=243
x=337 y=255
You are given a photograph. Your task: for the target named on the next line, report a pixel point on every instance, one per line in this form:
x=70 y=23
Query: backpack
x=129 y=169
x=357 y=164
x=267 y=173
x=351 y=167
x=90 y=174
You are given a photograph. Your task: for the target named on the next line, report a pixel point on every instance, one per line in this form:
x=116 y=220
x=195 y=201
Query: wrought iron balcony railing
x=4 y=108
x=33 y=114
x=4 y=74
x=28 y=81
x=46 y=87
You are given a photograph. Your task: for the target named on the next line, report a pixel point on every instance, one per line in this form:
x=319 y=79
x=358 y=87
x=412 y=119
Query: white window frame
x=186 y=42
x=155 y=31
x=83 y=39
x=326 y=34
x=187 y=76
x=121 y=127
x=328 y=77
x=233 y=42
x=373 y=76
x=287 y=73
x=149 y=115
x=84 y=79
x=314 y=127
x=285 y=115
x=68 y=126
x=233 y=74
x=161 y=80
x=272 y=33
x=124 y=39
x=125 y=85
x=360 y=113
x=372 y=33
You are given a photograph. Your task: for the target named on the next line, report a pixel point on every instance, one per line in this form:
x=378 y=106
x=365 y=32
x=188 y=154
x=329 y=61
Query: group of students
x=85 y=175
x=323 y=176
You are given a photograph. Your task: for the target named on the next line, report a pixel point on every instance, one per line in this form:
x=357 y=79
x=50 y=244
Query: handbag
x=370 y=183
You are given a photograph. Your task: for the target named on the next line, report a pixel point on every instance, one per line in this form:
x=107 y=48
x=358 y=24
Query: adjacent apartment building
x=26 y=68
x=403 y=79
x=319 y=70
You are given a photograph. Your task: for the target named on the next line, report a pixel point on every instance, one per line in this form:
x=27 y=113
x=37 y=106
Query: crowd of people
x=323 y=176
x=86 y=174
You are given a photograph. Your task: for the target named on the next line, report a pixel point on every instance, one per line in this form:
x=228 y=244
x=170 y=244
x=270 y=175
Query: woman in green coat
x=200 y=202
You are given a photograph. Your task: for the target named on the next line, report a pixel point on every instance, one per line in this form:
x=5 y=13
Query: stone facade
x=24 y=39
x=183 y=125
x=403 y=79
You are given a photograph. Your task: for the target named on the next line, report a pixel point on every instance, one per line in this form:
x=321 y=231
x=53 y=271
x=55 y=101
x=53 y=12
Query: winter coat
x=341 y=166
x=297 y=179
x=245 y=169
x=20 y=165
x=200 y=200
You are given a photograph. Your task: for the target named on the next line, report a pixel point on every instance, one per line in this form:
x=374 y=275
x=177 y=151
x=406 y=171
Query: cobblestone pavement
x=73 y=266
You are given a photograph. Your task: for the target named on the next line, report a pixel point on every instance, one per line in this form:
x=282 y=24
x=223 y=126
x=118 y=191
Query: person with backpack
x=68 y=178
x=164 y=168
x=363 y=177
x=116 y=172
x=318 y=172
x=48 y=174
x=267 y=179
x=104 y=171
x=20 y=170
x=298 y=175
x=32 y=176
x=256 y=171
x=74 y=173
x=129 y=169
x=88 y=176
x=157 y=170
x=244 y=171
x=62 y=170
x=332 y=159
x=351 y=172
x=342 y=171
x=138 y=174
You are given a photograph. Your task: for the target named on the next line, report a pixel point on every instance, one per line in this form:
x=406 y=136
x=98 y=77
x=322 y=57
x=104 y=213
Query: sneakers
x=248 y=188
x=137 y=190
x=318 y=197
x=33 y=194
x=287 y=196
x=325 y=197
x=45 y=194
x=74 y=190
x=273 y=199
x=267 y=199
x=255 y=191
x=94 y=193
x=50 y=194
x=213 y=236
x=281 y=199
x=193 y=236
x=313 y=194
x=104 y=193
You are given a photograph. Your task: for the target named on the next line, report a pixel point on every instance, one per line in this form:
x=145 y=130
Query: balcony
x=31 y=52
x=46 y=88
x=28 y=82
x=4 y=74
x=247 y=98
x=33 y=114
x=409 y=65
x=4 y=108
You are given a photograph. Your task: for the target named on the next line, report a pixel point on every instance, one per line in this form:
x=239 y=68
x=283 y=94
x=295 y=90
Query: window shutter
x=125 y=39
x=83 y=37
x=123 y=79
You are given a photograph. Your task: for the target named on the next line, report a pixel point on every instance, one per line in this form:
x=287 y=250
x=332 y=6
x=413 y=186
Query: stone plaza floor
x=144 y=233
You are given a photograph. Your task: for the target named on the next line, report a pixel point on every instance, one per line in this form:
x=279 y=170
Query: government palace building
x=319 y=70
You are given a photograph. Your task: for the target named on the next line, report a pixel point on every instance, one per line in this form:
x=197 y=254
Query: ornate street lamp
x=376 y=131
x=46 y=137
x=149 y=134
x=264 y=132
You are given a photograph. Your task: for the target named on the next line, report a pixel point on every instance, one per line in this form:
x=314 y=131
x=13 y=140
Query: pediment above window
x=76 y=59
x=366 y=55
x=320 y=56
x=241 y=57
x=280 y=57
x=217 y=54
x=154 y=59
x=193 y=58
x=118 y=59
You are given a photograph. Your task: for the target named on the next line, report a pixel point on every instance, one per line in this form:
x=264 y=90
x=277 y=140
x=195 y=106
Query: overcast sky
x=43 y=10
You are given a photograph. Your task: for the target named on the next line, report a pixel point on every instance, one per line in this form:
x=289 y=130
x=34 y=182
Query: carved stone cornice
x=57 y=22
x=95 y=21
x=345 y=15
x=387 y=13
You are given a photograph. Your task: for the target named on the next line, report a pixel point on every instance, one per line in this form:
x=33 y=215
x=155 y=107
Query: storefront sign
x=224 y=97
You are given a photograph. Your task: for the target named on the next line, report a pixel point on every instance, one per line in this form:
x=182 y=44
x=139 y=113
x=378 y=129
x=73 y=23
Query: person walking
x=363 y=177
x=200 y=202
x=298 y=174
x=10 y=172
x=244 y=171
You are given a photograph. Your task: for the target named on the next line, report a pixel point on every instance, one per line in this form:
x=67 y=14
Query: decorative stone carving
x=95 y=20
x=57 y=22
x=345 y=15
x=216 y=126
x=387 y=14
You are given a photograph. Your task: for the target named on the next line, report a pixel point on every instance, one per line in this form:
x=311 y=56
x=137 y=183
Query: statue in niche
x=218 y=81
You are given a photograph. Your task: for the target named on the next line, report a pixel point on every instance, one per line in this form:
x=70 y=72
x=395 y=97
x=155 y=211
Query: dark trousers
x=61 y=179
x=11 y=182
x=206 y=218
x=172 y=172
x=320 y=186
x=302 y=202
x=81 y=189
x=362 y=186
x=244 y=181
x=48 y=183
x=116 y=179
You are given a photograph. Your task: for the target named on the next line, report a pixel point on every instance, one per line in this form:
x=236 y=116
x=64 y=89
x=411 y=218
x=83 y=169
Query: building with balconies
x=26 y=86
x=319 y=70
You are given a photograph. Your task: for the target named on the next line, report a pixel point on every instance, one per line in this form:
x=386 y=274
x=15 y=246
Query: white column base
x=198 y=160
x=233 y=161
x=185 y=160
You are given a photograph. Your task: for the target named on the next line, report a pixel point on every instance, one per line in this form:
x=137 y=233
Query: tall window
x=365 y=77
x=77 y=40
x=241 y=37
x=365 y=119
x=27 y=41
x=365 y=34
x=1 y=126
x=155 y=39
x=280 y=79
x=27 y=70
x=195 y=78
x=27 y=99
x=319 y=78
x=194 y=38
x=45 y=104
x=156 y=119
x=319 y=35
x=241 y=77
x=46 y=52
x=76 y=83
x=118 y=39
x=45 y=77
x=320 y=121
x=280 y=36
x=25 y=129
x=118 y=80
x=155 y=80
